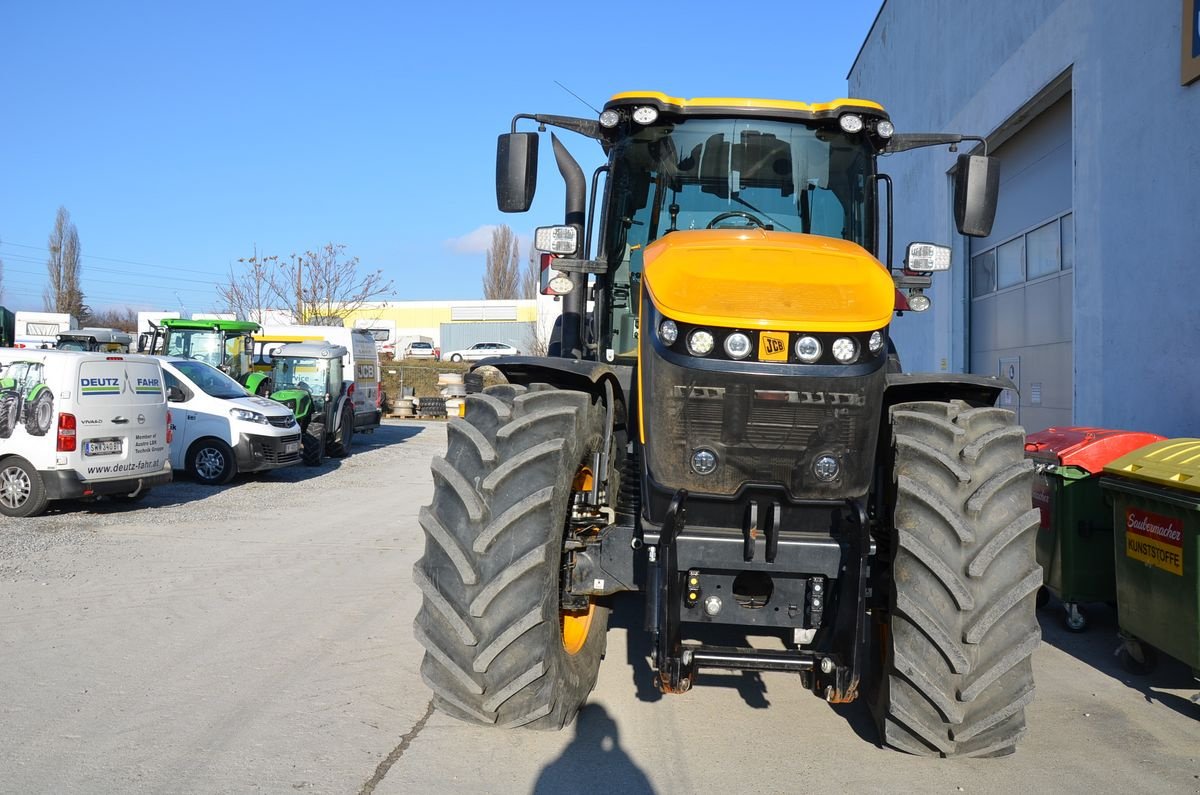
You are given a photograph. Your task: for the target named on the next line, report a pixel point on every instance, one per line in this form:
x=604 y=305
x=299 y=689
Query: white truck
x=41 y=329
x=76 y=425
x=360 y=364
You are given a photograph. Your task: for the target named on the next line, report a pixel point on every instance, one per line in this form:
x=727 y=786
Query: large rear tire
x=960 y=627
x=10 y=409
x=499 y=651
x=38 y=413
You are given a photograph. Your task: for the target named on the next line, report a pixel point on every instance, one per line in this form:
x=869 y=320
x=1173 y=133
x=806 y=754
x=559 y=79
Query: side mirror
x=976 y=188
x=516 y=171
x=175 y=395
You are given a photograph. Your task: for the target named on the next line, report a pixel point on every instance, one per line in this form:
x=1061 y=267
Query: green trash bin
x=1074 y=540
x=1156 y=510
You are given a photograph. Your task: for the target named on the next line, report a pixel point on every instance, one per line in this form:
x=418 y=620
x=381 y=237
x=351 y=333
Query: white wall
x=945 y=65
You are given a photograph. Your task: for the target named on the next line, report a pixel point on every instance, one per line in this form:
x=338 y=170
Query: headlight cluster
x=738 y=345
x=248 y=416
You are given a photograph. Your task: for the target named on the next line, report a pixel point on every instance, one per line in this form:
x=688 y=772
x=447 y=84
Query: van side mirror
x=516 y=171
x=175 y=395
x=976 y=189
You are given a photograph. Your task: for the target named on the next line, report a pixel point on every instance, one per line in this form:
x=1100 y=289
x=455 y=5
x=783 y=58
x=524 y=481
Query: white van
x=360 y=365
x=77 y=425
x=220 y=429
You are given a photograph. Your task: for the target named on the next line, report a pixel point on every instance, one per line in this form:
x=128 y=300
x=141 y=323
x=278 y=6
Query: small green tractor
x=307 y=378
x=25 y=398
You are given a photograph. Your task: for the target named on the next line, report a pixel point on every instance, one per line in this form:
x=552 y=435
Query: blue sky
x=180 y=136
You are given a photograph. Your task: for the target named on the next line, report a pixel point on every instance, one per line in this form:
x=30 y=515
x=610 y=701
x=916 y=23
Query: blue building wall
x=973 y=66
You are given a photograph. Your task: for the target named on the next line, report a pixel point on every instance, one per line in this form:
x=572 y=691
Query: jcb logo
x=772 y=346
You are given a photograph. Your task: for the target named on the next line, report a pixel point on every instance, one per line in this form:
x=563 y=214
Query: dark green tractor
x=25 y=398
x=307 y=378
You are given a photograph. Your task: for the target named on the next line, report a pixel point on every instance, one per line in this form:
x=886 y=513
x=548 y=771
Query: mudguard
x=564 y=373
x=975 y=390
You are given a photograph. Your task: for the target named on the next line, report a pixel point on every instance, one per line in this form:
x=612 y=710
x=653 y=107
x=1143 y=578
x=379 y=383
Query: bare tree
x=323 y=285
x=63 y=294
x=123 y=318
x=502 y=276
x=248 y=294
x=531 y=277
x=315 y=287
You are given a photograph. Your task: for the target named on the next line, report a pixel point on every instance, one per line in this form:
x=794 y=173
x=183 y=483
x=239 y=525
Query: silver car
x=482 y=350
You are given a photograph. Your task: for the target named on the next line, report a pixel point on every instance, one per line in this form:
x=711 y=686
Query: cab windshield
x=785 y=176
x=707 y=173
x=309 y=374
x=230 y=353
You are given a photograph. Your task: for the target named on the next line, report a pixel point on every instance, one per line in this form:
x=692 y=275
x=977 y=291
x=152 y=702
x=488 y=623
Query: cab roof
x=309 y=350
x=741 y=106
x=220 y=325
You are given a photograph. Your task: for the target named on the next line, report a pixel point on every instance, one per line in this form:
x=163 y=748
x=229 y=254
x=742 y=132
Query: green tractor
x=224 y=344
x=25 y=398
x=307 y=378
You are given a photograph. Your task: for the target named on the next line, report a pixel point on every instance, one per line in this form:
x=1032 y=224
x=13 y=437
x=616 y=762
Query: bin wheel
x=1043 y=597
x=1136 y=657
x=1074 y=619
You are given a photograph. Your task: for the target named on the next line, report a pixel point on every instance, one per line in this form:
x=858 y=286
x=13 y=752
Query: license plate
x=291 y=447
x=102 y=447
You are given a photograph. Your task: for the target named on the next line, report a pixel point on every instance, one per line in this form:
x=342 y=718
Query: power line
x=108 y=259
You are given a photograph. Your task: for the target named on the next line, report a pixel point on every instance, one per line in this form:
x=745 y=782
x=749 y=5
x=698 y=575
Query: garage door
x=1021 y=276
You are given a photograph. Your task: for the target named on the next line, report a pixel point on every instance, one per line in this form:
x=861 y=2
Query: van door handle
x=120 y=420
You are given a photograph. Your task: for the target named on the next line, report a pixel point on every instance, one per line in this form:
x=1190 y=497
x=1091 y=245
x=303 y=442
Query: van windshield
x=210 y=380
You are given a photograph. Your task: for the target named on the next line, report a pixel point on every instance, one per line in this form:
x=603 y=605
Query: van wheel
x=312 y=443
x=454 y=357
x=211 y=462
x=10 y=403
x=38 y=413
x=21 y=491
x=341 y=444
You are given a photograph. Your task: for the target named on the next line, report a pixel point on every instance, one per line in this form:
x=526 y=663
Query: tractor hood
x=753 y=278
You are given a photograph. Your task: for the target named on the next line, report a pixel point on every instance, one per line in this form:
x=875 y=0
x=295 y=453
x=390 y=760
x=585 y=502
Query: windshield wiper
x=743 y=202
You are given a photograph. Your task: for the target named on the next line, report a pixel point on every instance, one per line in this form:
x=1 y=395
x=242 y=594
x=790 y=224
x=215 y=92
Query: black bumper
x=256 y=453
x=65 y=484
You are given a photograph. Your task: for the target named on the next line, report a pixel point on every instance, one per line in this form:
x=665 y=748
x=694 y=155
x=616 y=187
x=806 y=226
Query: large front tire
x=490 y=620
x=960 y=627
x=343 y=441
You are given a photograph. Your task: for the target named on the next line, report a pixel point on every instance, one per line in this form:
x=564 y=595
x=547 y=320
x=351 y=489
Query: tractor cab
x=225 y=344
x=105 y=340
x=308 y=378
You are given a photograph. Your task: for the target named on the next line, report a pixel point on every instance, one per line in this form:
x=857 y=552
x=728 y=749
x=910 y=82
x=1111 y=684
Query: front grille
x=764 y=429
x=275 y=455
x=282 y=422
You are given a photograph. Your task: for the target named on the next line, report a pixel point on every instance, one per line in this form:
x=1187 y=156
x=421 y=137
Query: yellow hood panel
x=782 y=281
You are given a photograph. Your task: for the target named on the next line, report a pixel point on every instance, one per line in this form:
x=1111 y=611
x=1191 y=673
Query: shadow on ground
x=594 y=761
x=1098 y=646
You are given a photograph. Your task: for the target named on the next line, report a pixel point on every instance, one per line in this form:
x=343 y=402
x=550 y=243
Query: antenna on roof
x=581 y=99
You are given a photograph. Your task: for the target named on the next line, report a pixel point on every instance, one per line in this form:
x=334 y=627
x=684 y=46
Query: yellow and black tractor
x=723 y=426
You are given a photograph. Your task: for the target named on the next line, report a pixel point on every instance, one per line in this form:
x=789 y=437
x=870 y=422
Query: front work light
x=668 y=332
x=876 y=342
x=737 y=345
x=556 y=239
x=850 y=123
x=845 y=350
x=609 y=119
x=700 y=342
x=808 y=349
x=704 y=461
x=645 y=115
x=918 y=301
x=883 y=128
x=927 y=257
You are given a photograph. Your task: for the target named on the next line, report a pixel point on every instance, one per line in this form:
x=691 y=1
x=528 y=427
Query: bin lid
x=1087 y=448
x=1173 y=462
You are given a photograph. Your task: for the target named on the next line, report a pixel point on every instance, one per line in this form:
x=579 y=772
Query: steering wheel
x=754 y=219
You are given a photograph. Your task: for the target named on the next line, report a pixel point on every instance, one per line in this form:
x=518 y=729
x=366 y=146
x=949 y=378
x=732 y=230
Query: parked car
x=482 y=350
x=422 y=350
x=220 y=429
